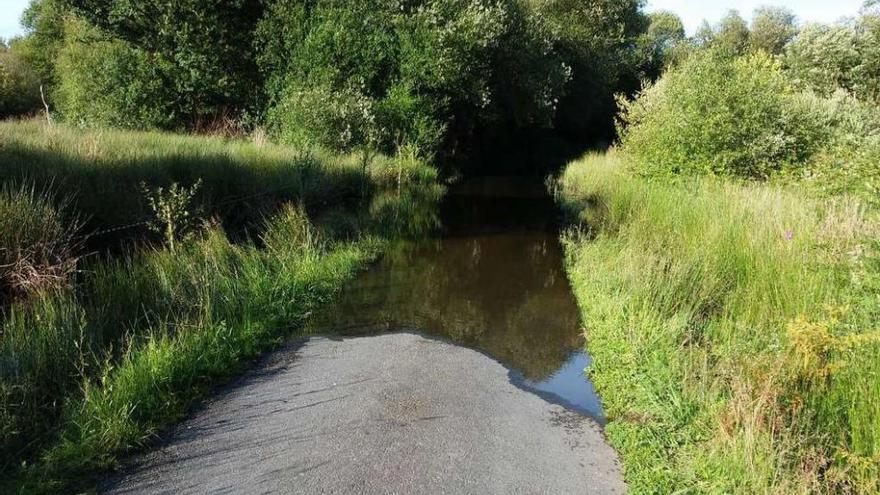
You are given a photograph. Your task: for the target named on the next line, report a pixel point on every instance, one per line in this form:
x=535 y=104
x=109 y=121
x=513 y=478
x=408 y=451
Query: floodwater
x=491 y=278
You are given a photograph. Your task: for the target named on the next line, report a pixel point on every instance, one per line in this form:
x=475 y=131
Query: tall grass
x=90 y=373
x=95 y=367
x=242 y=180
x=733 y=329
x=37 y=242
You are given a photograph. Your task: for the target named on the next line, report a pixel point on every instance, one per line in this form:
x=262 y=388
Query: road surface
x=397 y=413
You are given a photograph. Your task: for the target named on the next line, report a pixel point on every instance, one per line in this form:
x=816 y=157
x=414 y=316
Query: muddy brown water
x=491 y=278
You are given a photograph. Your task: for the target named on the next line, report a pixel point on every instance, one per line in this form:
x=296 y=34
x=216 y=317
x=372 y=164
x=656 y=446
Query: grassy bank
x=101 y=173
x=97 y=363
x=733 y=329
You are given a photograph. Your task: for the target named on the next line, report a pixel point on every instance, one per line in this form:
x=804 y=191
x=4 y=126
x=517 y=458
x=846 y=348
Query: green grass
x=93 y=368
x=733 y=329
x=100 y=172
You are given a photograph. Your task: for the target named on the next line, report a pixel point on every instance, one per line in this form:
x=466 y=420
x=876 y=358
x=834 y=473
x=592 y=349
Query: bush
x=721 y=115
x=850 y=161
x=106 y=82
x=355 y=74
x=19 y=86
x=825 y=58
x=36 y=242
x=202 y=48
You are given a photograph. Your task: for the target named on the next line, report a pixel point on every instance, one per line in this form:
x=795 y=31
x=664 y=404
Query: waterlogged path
x=458 y=369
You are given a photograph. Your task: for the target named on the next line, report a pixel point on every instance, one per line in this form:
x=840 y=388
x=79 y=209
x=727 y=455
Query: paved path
x=389 y=414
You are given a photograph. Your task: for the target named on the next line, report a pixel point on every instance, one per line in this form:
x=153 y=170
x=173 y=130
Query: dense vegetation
x=728 y=265
x=443 y=76
x=98 y=352
x=726 y=254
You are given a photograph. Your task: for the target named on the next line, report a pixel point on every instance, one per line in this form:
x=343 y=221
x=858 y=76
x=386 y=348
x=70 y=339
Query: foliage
x=733 y=329
x=824 y=58
x=596 y=39
x=850 y=161
x=203 y=48
x=721 y=115
x=772 y=29
x=447 y=76
x=108 y=83
x=425 y=75
x=730 y=35
x=44 y=22
x=663 y=44
x=19 y=86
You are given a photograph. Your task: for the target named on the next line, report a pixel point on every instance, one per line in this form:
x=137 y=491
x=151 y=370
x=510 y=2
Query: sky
x=10 y=15
x=692 y=12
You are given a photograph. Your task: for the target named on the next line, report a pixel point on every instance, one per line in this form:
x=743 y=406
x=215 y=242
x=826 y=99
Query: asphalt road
x=394 y=413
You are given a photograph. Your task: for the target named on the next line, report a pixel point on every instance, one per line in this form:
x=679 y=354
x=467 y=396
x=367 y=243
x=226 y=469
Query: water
x=492 y=279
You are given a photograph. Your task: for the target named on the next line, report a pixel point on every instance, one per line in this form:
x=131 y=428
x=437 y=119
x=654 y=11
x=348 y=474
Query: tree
x=731 y=35
x=597 y=40
x=205 y=48
x=867 y=78
x=824 y=58
x=438 y=74
x=772 y=29
x=43 y=21
x=658 y=45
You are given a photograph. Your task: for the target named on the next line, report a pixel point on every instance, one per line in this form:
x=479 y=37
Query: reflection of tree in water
x=504 y=294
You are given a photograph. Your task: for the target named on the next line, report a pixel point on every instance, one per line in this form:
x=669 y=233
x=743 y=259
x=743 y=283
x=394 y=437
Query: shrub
x=341 y=119
x=721 y=115
x=850 y=161
x=106 y=82
x=19 y=86
x=825 y=58
x=202 y=48
x=355 y=74
x=44 y=22
x=36 y=242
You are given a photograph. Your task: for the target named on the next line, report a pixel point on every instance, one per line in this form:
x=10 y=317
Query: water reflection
x=492 y=279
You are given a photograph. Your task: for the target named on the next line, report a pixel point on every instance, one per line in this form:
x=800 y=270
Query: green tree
x=772 y=29
x=204 y=47
x=104 y=81
x=824 y=58
x=731 y=35
x=659 y=45
x=19 y=85
x=721 y=115
x=357 y=73
x=597 y=41
x=43 y=21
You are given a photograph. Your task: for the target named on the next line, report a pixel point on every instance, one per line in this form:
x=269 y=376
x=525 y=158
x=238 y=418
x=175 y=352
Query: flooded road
x=490 y=278
x=459 y=369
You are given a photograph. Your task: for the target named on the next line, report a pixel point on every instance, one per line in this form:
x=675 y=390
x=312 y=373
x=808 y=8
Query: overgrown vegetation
x=105 y=351
x=727 y=262
x=733 y=331
x=445 y=76
x=38 y=243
